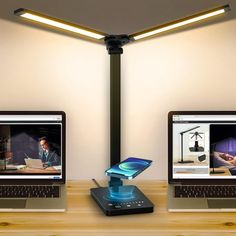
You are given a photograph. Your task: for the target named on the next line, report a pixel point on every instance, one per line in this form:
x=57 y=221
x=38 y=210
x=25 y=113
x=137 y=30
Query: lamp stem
x=182 y=147
x=115 y=90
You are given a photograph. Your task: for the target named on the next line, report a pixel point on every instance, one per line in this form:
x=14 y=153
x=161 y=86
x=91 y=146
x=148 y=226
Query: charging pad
x=128 y=199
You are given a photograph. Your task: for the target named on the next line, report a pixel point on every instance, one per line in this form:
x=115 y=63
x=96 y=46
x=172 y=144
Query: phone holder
x=119 y=199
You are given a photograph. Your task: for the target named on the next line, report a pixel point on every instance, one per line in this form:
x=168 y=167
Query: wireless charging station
x=119 y=199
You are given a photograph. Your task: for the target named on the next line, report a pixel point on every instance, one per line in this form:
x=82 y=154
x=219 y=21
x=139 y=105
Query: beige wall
x=191 y=70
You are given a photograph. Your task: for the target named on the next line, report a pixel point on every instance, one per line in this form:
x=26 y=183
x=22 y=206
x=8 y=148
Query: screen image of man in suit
x=48 y=156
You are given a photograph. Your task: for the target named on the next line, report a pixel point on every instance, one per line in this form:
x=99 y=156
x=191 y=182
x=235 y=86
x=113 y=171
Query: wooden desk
x=84 y=217
x=27 y=170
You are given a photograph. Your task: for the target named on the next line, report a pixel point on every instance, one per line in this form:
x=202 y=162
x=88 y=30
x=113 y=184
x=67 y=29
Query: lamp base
x=184 y=162
x=212 y=172
x=196 y=149
x=129 y=200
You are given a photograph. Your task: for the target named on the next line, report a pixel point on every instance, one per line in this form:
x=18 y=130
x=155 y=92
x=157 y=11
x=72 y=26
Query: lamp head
x=114 y=43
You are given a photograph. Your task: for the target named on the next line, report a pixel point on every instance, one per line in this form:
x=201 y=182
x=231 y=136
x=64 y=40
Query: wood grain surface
x=84 y=217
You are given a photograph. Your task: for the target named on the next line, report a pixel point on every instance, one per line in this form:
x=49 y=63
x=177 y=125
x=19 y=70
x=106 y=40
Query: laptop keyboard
x=25 y=191
x=205 y=191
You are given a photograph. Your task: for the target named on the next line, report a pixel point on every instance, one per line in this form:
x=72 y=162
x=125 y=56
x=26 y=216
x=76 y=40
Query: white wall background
x=191 y=70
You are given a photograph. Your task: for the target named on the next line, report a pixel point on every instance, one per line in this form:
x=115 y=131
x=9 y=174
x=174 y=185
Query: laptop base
x=58 y=204
x=199 y=204
x=133 y=203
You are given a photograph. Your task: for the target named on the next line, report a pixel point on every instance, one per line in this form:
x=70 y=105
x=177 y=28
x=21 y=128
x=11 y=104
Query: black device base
x=184 y=162
x=196 y=149
x=202 y=157
x=216 y=172
x=137 y=203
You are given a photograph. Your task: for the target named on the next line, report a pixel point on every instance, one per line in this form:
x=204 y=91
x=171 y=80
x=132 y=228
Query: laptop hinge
x=56 y=183
x=176 y=183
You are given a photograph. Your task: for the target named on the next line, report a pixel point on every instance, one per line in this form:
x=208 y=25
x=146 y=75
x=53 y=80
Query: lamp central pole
x=182 y=148
x=114 y=45
x=115 y=114
x=115 y=109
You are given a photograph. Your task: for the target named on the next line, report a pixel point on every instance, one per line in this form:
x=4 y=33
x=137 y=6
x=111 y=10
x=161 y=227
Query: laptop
x=24 y=187
x=202 y=161
x=34 y=163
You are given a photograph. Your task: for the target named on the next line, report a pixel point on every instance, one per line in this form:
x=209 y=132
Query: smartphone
x=129 y=168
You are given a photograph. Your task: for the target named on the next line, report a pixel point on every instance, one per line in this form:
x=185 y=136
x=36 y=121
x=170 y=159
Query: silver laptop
x=34 y=163
x=23 y=186
x=202 y=161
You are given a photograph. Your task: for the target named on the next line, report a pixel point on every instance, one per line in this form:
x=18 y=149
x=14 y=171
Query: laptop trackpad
x=12 y=203
x=221 y=203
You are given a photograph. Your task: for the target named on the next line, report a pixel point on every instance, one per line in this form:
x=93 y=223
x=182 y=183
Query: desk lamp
x=182 y=161
x=196 y=148
x=114 y=44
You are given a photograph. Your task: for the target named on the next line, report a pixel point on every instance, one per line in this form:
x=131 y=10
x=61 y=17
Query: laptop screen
x=203 y=145
x=31 y=145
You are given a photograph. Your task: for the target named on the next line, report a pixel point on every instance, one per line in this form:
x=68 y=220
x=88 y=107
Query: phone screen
x=129 y=168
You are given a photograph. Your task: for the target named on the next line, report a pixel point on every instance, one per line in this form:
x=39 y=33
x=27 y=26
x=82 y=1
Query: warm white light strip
x=179 y=24
x=61 y=25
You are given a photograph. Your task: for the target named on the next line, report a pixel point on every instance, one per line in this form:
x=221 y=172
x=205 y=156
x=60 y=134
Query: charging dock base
x=133 y=202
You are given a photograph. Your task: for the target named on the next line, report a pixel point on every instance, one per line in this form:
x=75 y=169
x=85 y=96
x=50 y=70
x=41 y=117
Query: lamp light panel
x=38 y=17
x=181 y=22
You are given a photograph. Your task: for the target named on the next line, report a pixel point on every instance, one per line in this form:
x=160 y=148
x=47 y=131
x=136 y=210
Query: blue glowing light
x=121 y=193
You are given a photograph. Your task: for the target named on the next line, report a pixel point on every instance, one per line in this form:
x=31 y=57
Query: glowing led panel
x=180 y=23
x=58 y=24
